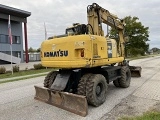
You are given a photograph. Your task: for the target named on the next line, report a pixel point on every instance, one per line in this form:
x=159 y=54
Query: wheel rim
x=99 y=89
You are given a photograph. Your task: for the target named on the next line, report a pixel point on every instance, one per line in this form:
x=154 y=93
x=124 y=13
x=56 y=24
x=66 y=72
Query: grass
x=152 y=115
x=23 y=73
x=18 y=79
x=33 y=72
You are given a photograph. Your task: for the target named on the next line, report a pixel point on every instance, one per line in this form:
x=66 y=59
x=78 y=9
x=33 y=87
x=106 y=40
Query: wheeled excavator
x=87 y=61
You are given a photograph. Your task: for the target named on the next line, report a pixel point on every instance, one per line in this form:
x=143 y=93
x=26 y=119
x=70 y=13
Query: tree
x=137 y=33
x=39 y=49
x=31 y=50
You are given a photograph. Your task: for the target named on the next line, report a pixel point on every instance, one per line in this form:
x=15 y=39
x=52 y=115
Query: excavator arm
x=98 y=15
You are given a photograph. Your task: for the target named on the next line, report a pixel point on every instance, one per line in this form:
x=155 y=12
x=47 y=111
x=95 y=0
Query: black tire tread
x=123 y=82
x=116 y=83
x=81 y=90
x=49 y=79
x=89 y=89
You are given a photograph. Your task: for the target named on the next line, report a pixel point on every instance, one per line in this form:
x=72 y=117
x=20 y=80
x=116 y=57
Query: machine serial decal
x=58 y=53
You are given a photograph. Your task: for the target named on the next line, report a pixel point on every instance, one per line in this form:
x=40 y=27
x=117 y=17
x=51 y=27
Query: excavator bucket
x=71 y=102
x=135 y=71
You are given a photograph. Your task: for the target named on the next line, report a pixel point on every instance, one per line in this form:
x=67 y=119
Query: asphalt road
x=17 y=98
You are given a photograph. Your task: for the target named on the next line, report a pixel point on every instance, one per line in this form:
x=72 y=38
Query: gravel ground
x=131 y=106
x=17 y=103
x=144 y=98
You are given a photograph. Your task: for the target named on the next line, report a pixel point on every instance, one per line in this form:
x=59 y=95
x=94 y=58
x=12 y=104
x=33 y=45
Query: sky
x=60 y=14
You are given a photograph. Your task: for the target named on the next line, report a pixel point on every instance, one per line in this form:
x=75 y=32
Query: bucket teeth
x=71 y=102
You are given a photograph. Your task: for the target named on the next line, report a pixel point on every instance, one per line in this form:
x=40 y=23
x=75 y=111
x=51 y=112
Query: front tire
x=125 y=79
x=96 y=90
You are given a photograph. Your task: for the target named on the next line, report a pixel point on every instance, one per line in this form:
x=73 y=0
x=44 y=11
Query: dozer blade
x=135 y=71
x=71 y=102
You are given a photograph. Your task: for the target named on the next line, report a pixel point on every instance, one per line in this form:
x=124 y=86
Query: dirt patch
x=131 y=106
x=156 y=107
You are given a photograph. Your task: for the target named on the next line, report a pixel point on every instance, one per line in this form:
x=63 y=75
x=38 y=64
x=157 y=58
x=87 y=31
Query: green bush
x=2 y=70
x=16 y=68
x=150 y=115
x=38 y=66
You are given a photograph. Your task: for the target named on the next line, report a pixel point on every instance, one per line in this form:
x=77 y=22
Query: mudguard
x=71 y=102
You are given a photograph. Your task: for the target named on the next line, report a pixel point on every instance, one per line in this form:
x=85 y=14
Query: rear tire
x=125 y=79
x=49 y=79
x=116 y=83
x=96 y=90
x=81 y=90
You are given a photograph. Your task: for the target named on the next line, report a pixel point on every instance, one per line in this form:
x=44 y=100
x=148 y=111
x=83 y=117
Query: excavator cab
x=77 y=29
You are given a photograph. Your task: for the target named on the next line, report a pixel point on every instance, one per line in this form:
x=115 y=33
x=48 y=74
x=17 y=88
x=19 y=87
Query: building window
x=16 y=39
x=5 y=39
x=17 y=54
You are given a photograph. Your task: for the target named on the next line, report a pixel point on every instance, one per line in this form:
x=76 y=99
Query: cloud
x=59 y=14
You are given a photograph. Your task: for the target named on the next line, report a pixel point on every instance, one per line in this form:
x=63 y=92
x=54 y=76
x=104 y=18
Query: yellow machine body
x=79 y=51
x=85 y=59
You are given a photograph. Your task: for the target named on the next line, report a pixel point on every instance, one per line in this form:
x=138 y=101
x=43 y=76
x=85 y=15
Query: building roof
x=14 y=11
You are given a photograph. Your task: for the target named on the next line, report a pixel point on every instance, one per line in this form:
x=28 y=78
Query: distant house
x=18 y=18
x=150 y=52
x=155 y=49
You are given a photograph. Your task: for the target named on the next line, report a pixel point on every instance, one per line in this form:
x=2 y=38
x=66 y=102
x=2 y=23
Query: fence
x=32 y=57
